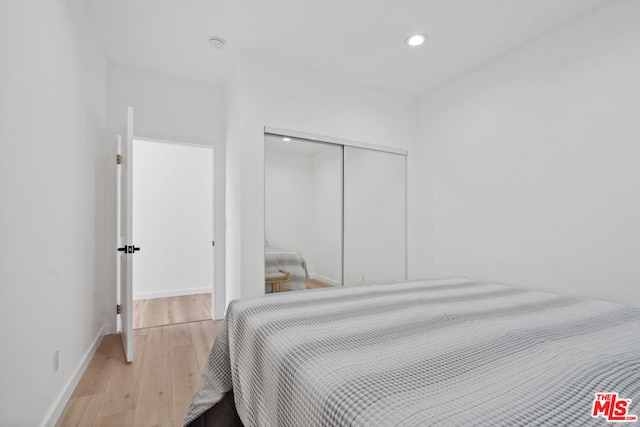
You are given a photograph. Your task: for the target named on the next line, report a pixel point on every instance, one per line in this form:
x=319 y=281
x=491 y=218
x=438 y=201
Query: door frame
x=218 y=290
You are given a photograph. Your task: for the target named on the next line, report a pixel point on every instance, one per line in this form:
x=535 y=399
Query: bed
x=276 y=259
x=438 y=352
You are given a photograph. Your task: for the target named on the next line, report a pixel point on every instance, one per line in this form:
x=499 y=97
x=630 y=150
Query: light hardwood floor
x=155 y=390
x=148 y=313
x=172 y=338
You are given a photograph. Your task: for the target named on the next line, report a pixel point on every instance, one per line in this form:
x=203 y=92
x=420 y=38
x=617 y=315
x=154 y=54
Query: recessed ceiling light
x=415 y=40
x=216 y=42
x=286 y=139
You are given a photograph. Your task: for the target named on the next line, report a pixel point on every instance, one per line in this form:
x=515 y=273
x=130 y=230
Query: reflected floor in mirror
x=315 y=283
x=311 y=284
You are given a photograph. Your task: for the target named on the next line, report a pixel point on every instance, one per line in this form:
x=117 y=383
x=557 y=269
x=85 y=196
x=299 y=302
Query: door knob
x=128 y=249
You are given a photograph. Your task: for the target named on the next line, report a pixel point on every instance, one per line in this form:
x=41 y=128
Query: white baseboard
x=172 y=293
x=54 y=413
x=325 y=280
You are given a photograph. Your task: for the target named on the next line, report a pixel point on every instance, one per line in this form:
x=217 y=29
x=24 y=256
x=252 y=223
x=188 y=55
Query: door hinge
x=118 y=159
x=118 y=309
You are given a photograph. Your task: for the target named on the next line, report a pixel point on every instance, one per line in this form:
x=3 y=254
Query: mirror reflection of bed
x=334 y=214
x=279 y=260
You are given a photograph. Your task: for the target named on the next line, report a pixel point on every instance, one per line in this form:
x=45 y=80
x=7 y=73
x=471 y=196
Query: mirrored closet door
x=303 y=214
x=374 y=216
x=335 y=214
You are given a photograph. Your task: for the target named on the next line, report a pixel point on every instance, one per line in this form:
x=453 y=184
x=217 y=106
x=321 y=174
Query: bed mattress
x=438 y=352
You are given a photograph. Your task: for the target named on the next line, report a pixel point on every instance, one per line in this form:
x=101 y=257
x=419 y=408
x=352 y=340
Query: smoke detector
x=216 y=42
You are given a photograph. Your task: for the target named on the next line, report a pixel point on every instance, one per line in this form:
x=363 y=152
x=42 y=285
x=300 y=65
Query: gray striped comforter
x=448 y=352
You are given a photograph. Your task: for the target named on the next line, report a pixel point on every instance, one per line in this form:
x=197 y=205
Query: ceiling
x=357 y=40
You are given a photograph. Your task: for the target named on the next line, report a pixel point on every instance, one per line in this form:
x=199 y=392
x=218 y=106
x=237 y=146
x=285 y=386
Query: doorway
x=173 y=200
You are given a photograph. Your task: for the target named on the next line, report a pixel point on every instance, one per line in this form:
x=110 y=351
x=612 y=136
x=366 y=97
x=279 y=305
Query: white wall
x=173 y=219
x=173 y=109
x=166 y=107
x=53 y=216
x=535 y=162
x=233 y=180
x=264 y=93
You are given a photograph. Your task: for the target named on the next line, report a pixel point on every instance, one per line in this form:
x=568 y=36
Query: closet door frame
x=331 y=140
x=357 y=144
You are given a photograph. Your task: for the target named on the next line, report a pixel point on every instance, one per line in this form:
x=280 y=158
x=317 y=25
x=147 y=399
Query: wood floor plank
x=157 y=313
x=189 y=308
x=138 y=332
x=203 y=334
x=138 y=309
x=184 y=379
x=204 y=304
x=80 y=411
x=153 y=405
x=162 y=311
x=166 y=312
x=171 y=310
x=122 y=419
x=122 y=390
x=180 y=335
x=97 y=375
x=148 y=315
x=160 y=333
x=177 y=314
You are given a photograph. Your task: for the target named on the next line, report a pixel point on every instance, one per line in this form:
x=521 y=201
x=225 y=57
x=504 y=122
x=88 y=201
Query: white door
x=126 y=248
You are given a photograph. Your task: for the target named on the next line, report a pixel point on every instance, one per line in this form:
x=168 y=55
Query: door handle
x=128 y=249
